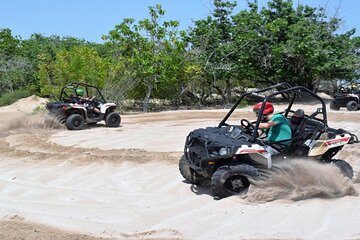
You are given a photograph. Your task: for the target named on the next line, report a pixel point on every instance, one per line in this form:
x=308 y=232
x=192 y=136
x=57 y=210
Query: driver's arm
x=267 y=124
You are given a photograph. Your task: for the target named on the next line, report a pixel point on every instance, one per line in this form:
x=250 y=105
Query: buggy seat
x=296 y=120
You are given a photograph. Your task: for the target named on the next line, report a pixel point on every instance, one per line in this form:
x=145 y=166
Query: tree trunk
x=228 y=91
x=218 y=89
x=147 y=96
x=221 y=93
x=310 y=86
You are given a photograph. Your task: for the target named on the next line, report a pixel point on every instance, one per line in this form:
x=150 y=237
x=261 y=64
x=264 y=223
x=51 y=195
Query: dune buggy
x=346 y=97
x=232 y=154
x=74 y=109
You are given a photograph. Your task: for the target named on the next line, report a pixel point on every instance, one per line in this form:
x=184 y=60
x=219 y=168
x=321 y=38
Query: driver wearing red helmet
x=279 y=130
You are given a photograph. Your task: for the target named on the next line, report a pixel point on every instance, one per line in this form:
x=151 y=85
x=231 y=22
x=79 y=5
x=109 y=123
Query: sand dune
x=124 y=183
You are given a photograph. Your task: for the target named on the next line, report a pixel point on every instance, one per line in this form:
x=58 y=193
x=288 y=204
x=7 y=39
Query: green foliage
x=13 y=73
x=14 y=69
x=81 y=64
x=9 y=45
x=216 y=60
x=299 y=45
x=40 y=109
x=264 y=46
x=40 y=48
x=213 y=47
x=11 y=97
x=148 y=54
x=42 y=53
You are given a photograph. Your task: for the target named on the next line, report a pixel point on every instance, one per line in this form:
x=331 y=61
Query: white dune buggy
x=74 y=109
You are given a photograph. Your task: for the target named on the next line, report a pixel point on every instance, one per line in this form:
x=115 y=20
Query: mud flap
x=269 y=161
x=269 y=152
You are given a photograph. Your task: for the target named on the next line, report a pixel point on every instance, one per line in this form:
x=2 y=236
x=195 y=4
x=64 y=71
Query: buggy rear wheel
x=113 y=119
x=334 y=105
x=232 y=180
x=75 y=122
x=352 y=106
x=189 y=174
x=345 y=168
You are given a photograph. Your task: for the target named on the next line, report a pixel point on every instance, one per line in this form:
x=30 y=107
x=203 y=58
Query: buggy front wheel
x=231 y=180
x=113 y=119
x=352 y=106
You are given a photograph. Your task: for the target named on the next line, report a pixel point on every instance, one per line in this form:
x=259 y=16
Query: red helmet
x=269 y=108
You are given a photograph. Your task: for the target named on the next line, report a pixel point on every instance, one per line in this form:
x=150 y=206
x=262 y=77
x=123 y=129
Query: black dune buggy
x=232 y=154
x=74 y=110
x=346 y=97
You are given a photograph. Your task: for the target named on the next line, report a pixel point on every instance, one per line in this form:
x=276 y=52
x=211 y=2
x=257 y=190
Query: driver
x=80 y=93
x=278 y=127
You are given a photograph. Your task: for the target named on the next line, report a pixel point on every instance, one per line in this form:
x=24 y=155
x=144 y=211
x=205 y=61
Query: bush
x=10 y=98
x=39 y=109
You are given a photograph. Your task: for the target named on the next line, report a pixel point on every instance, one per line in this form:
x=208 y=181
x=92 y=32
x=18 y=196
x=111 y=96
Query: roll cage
x=281 y=89
x=89 y=90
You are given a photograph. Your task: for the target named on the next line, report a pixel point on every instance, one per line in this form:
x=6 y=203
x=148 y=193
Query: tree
x=41 y=51
x=13 y=74
x=213 y=48
x=13 y=68
x=299 y=45
x=9 y=45
x=81 y=64
x=149 y=50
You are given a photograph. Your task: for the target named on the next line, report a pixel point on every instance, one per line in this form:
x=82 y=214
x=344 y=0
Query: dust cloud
x=31 y=121
x=301 y=179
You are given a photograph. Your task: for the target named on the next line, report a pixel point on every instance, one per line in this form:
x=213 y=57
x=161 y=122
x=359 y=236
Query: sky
x=90 y=19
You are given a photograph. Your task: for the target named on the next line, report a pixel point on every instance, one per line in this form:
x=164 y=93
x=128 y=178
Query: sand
x=124 y=183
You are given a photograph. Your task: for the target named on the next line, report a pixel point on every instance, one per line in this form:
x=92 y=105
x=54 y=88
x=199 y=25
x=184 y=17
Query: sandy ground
x=124 y=183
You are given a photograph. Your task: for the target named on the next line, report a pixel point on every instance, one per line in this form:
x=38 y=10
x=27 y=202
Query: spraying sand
x=302 y=179
x=124 y=183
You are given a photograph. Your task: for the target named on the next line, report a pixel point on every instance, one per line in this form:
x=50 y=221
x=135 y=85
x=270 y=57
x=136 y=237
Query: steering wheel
x=247 y=125
x=250 y=127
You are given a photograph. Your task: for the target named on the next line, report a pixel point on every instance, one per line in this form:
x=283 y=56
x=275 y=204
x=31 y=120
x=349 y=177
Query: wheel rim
x=76 y=122
x=113 y=120
x=237 y=184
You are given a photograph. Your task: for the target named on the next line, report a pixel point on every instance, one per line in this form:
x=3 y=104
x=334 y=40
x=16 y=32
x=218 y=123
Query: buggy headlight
x=224 y=151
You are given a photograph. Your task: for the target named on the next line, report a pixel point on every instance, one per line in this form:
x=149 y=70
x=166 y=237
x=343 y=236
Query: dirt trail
x=94 y=183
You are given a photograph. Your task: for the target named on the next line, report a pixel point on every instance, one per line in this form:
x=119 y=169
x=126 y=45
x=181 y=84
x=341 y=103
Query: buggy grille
x=197 y=151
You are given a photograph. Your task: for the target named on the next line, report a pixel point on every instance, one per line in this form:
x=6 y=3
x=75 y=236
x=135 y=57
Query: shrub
x=11 y=97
